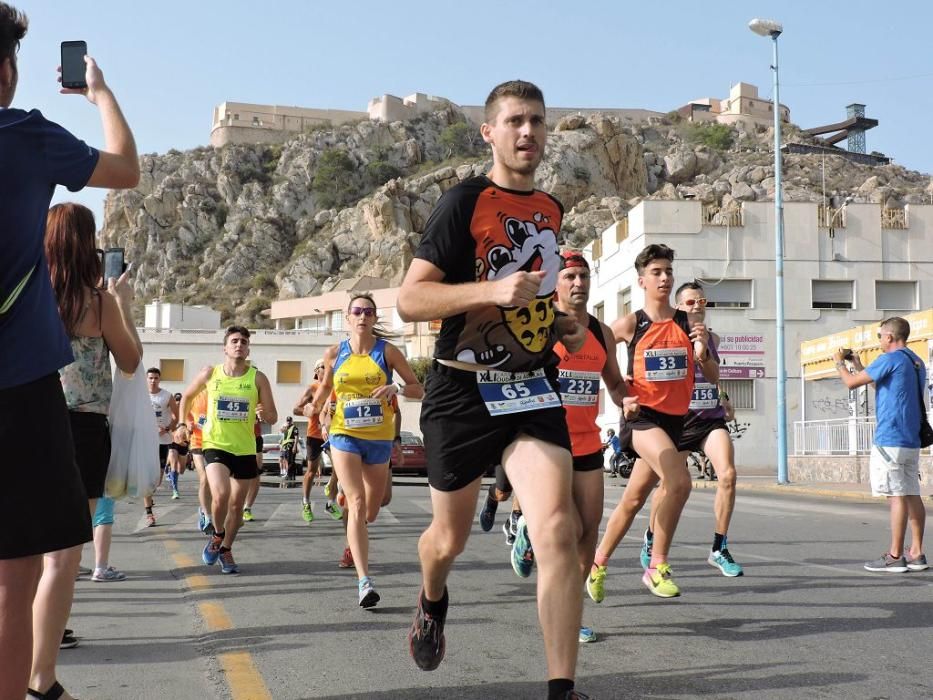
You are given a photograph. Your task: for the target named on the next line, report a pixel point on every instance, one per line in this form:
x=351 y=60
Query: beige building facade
x=743 y=105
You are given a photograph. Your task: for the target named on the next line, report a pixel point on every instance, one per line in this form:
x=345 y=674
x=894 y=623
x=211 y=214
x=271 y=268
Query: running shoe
x=150 y=520
x=69 y=641
x=487 y=515
x=368 y=595
x=346 y=561
x=723 y=561
x=587 y=635
x=888 y=564
x=510 y=527
x=918 y=563
x=175 y=495
x=327 y=490
x=426 y=641
x=523 y=556
x=84 y=571
x=107 y=575
x=646 y=544
x=227 y=563
x=306 y=512
x=659 y=581
x=202 y=520
x=211 y=550
x=248 y=515
x=334 y=510
x=595 y=584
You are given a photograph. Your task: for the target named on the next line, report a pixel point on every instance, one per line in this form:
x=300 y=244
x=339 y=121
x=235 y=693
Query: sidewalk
x=765 y=481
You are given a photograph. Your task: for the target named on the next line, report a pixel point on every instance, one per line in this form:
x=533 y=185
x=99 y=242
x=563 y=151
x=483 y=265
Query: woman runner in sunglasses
x=359 y=370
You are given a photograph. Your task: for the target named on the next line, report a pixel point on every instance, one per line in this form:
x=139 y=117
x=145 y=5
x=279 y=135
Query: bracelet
x=398 y=388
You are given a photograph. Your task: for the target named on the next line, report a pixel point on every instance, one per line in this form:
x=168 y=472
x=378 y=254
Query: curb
x=806 y=490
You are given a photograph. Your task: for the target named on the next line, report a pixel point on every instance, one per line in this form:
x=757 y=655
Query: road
x=805 y=620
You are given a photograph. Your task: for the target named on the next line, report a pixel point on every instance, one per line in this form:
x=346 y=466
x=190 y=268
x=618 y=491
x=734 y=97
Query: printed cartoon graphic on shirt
x=508 y=246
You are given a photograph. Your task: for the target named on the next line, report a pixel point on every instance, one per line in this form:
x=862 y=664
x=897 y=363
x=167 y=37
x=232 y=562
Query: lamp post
x=770 y=28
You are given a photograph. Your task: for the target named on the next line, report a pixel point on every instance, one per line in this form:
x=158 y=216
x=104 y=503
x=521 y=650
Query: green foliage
x=264 y=281
x=333 y=181
x=674 y=117
x=318 y=126
x=420 y=366
x=717 y=136
x=458 y=139
x=379 y=172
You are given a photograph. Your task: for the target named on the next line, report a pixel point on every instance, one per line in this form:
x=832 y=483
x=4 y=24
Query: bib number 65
x=516 y=390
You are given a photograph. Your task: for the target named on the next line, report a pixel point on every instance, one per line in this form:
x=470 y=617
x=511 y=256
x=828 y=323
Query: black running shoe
x=426 y=639
x=487 y=515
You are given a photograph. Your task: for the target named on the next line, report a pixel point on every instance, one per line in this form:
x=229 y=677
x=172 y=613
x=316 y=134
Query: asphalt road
x=805 y=620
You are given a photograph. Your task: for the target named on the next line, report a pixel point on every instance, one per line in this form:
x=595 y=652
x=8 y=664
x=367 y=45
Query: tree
x=333 y=179
x=458 y=139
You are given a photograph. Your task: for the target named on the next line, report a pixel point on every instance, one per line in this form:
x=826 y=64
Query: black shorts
x=163 y=455
x=197 y=451
x=182 y=450
x=588 y=463
x=259 y=444
x=240 y=466
x=696 y=430
x=647 y=419
x=43 y=504
x=314 y=449
x=91 y=435
x=461 y=439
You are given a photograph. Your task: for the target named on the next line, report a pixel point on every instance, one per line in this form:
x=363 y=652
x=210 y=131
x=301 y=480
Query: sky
x=170 y=63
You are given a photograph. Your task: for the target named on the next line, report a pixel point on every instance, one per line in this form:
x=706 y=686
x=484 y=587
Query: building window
x=625 y=302
x=728 y=294
x=336 y=321
x=895 y=296
x=741 y=393
x=598 y=312
x=832 y=294
x=172 y=370
x=236 y=117
x=288 y=371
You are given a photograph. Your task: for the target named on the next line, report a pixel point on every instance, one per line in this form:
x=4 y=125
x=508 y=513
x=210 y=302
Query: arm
x=268 y=413
x=701 y=338
x=326 y=385
x=612 y=375
x=187 y=396
x=118 y=165
x=623 y=329
x=117 y=325
x=411 y=389
x=303 y=401
x=727 y=406
x=850 y=379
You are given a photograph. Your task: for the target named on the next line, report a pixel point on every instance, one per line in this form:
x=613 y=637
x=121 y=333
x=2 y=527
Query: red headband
x=572 y=258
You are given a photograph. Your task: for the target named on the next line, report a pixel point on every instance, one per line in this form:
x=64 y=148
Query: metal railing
x=894 y=218
x=836 y=436
x=713 y=215
x=828 y=217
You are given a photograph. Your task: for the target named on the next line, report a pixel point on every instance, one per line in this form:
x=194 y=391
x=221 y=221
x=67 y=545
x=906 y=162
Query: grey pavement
x=805 y=620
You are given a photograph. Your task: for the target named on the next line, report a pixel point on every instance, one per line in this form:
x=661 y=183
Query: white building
x=872 y=263
x=180 y=316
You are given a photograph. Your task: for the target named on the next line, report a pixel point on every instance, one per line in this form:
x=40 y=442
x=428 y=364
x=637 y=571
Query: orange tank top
x=314 y=422
x=197 y=415
x=580 y=374
x=660 y=362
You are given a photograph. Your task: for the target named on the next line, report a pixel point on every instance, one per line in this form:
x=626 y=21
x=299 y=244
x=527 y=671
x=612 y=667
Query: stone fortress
x=242 y=122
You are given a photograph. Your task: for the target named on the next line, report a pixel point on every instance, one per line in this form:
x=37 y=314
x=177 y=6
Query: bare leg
x=898 y=524
x=103 y=536
x=252 y=490
x=238 y=491
x=349 y=467
x=718 y=447
x=588 y=491
x=204 y=487
x=917 y=515
x=18 y=581
x=218 y=475
x=387 y=493
x=633 y=500
x=50 y=611
x=307 y=481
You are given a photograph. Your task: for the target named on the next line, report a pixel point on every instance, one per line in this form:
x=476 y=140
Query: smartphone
x=73 y=67
x=114 y=263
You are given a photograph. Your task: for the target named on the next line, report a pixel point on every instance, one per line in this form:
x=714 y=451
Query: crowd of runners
x=515 y=384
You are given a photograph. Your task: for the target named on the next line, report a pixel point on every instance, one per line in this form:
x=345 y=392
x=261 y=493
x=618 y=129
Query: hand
x=259 y=413
x=570 y=333
x=121 y=289
x=385 y=391
x=398 y=458
x=94 y=79
x=630 y=407
x=839 y=355
x=518 y=289
x=181 y=435
x=700 y=337
x=308 y=410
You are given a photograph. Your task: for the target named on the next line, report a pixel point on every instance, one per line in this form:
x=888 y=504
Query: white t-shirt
x=162 y=414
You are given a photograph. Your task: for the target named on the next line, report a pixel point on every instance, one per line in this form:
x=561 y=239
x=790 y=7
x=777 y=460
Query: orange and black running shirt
x=197 y=417
x=482 y=232
x=580 y=374
x=660 y=362
x=314 y=421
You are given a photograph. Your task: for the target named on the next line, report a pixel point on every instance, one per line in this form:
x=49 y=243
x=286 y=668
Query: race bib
x=579 y=388
x=362 y=413
x=704 y=396
x=515 y=392
x=233 y=408
x=202 y=420
x=665 y=364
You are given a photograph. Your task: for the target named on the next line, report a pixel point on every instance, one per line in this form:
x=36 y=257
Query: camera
x=847 y=354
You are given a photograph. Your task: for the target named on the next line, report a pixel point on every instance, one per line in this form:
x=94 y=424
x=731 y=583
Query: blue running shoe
x=646 y=544
x=202 y=520
x=723 y=561
x=211 y=550
x=523 y=556
x=487 y=515
x=587 y=635
x=227 y=564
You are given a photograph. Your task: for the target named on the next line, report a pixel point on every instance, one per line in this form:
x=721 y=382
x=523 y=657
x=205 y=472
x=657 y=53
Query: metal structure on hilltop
x=856 y=139
x=852 y=129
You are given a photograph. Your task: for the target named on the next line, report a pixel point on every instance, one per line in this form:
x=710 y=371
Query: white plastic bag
x=134 y=438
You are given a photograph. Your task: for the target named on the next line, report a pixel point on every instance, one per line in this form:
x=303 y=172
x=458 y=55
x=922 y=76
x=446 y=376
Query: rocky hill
x=240 y=226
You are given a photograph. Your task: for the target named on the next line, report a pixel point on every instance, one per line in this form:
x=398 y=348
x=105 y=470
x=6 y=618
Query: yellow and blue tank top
x=231 y=412
x=357 y=414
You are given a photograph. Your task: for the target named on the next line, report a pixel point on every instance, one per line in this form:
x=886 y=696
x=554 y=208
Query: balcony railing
x=831 y=218
x=713 y=215
x=894 y=218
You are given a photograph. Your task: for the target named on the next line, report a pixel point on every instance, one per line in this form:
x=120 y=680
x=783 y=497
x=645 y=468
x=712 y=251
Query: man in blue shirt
x=43 y=506
x=899 y=376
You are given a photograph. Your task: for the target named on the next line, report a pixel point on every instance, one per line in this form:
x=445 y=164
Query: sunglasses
x=694 y=302
x=366 y=311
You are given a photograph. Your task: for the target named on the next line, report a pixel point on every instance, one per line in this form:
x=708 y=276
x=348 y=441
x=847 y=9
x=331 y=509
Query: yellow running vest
x=357 y=414
x=231 y=412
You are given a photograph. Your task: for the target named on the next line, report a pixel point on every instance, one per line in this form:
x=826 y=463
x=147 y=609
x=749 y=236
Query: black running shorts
x=240 y=466
x=91 y=435
x=43 y=504
x=182 y=450
x=647 y=419
x=588 y=463
x=163 y=455
x=461 y=439
x=259 y=444
x=696 y=430
x=314 y=448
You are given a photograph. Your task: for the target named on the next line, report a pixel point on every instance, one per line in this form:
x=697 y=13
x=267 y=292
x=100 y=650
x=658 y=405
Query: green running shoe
x=595 y=584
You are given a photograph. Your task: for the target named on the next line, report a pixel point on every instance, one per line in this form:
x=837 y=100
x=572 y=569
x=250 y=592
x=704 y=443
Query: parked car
x=270 y=453
x=413 y=453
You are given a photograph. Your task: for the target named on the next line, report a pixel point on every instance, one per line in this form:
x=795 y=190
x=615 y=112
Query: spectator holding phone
x=37 y=155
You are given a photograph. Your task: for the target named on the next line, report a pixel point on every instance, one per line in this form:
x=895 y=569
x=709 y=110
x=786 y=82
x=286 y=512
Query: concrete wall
x=843 y=468
x=862 y=252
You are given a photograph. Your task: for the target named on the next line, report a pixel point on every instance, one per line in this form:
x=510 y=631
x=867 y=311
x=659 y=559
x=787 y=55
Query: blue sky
x=171 y=62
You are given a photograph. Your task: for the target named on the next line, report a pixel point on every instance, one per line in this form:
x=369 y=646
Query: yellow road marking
x=215 y=617
x=242 y=677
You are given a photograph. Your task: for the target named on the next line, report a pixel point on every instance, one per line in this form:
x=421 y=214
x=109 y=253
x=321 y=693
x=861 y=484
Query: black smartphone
x=114 y=263
x=73 y=67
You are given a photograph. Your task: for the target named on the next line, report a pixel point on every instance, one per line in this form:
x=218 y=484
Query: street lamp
x=770 y=28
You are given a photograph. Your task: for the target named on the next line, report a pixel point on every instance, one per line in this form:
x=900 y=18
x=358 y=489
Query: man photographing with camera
x=899 y=377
